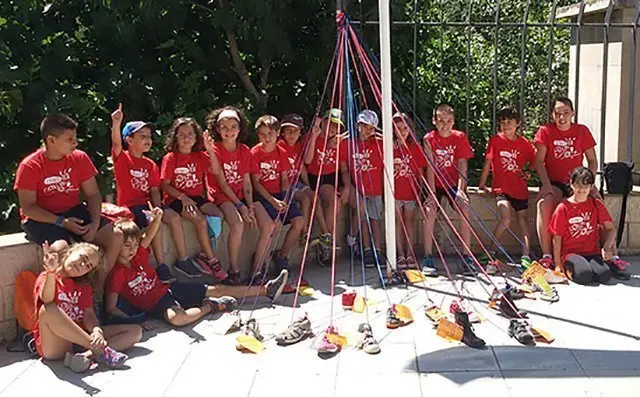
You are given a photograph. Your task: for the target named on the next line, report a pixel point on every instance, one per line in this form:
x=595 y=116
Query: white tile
x=384 y=384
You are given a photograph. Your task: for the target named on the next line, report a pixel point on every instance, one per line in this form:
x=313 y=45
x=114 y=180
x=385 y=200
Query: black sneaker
x=188 y=268
x=233 y=278
x=274 y=287
x=164 y=274
x=520 y=329
x=508 y=308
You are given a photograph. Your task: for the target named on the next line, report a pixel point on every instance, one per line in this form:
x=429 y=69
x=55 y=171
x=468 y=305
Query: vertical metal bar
x=468 y=77
x=415 y=55
x=634 y=65
x=495 y=66
x=576 y=99
x=523 y=50
x=605 y=68
x=552 y=21
x=442 y=84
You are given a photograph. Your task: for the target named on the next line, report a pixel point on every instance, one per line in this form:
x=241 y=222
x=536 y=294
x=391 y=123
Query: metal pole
x=387 y=136
x=523 y=53
x=634 y=48
x=605 y=68
x=415 y=56
x=576 y=99
x=552 y=20
x=468 y=77
x=495 y=67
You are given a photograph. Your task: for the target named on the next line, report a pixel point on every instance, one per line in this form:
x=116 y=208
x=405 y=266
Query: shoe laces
x=620 y=263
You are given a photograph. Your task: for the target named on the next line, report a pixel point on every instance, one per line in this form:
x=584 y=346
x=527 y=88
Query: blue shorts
x=138 y=215
x=299 y=186
x=180 y=295
x=292 y=213
x=39 y=232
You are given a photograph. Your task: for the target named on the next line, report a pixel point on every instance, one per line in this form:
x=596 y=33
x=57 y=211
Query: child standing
x=290 y=130
x=229 y=129
x=561 y=146
x=272 y=184
x=409 y=167
x=182 y=180
x=133 y=280
x=49 y=182
x=575 y=227
x=451 y=151
x=366 y=167
x=64 y=311
x=137 y=177
x=507 y=156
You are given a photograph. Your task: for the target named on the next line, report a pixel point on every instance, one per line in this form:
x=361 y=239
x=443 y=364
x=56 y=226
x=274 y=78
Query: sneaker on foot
x=210 y=266
x=348 y=298
x=547 y=262
x=617 y=266
x=369 y=258
x=78 y=362
x=297 y=331
x=222 y=304
x=274 y=287
x=111 y=358
x=428 y=266
x=188 y=268
x=368 y=343
x=233 y=278
x=520 y=329
x=164 y=274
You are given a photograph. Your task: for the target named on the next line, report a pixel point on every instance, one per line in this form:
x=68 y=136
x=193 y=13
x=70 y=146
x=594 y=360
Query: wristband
x=239 y=205
x=59 y=221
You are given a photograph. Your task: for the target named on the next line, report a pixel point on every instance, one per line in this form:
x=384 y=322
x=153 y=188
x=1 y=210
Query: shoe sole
x=282 y=342
x=187 y=274
x=278 y=293
x=76 y=365
x=202 y=268
x=169 y=281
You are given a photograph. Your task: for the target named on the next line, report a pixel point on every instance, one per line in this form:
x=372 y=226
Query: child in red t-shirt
x=274 y=207
x=228 y=126
x=507 y=156
x=451 y=152
x=290 y=132
x=366 y=167
x=137 y=177
x=183 y=181
x=409 y=172
x=133 y=287
x=561 y=146
x=49 y=182
x=326 y=161
x=65 y=319
x=575 y=226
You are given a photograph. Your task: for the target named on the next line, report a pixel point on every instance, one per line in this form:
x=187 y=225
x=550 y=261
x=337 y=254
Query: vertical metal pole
x=634 y=65
x=576 y=98
x=605 y=68
x=552 y=22
x=523 y=51
x=415 y=56
x=495 y=66
x=468 y=77
x=387 y=127
x=442 y=84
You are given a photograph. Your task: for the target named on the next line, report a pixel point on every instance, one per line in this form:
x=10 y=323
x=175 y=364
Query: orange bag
x=24 y=305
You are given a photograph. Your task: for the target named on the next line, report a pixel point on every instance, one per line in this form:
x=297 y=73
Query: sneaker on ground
x=546 y=261
x=297 y=331
x=469 y=338
x=468 y=266
x=348 y=298
x=520 y=329
x=274 y=287
x=525 y=261
x=463 y=306
x=491 y=269
x=164 y=274
x=222 y=304
x=367 y=343
x=393 y=321
x=369 y=258
x=78 y=362
x=325 y=346
x=188 y=268
x=428 y=266
x=111 y=358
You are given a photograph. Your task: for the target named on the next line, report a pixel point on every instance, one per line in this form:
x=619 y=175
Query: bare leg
x=400 y=234
x=58 y=332
x=174 y=220
x=158 y=247
x=122 y=337
x=546 y=206
x=236 y=291
x=410 y=224
x=504 y=211
x=429 y=223
x=236 y=228
x=376 y=228
x=465 y=230
x=179 y=317
x=266 y=226
x=327 y=200
x=523 y=225
x=202 y=231
x=292 y=236
x=110 y=240
x=304 y=199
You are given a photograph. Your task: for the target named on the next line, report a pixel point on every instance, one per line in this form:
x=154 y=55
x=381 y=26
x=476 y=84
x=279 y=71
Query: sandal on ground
x=520 y=329
x=299 y=330
x=401 y=263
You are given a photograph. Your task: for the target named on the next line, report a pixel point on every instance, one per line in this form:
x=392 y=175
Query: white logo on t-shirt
x=580 y=226
x=231 y=173
x=444 y=157
x=140 y=180
x=362 y=161
x=68 y=303
x=186 y=177
x=401 y=168
x=141 y=284
x=327 y=157
x=269 y=170
x=508 y=160
x=60 y=183
x=564 y=149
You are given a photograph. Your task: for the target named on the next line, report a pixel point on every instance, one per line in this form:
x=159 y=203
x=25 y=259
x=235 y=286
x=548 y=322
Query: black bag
x=618 y=177
x=24 y=343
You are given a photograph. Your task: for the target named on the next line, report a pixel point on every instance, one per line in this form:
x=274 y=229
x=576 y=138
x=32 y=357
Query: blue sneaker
x=188 y=268
x=429 y=266
x=468 y=266
x=164 y=274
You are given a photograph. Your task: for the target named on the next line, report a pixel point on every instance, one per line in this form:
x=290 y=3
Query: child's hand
x=153 y=213
x=208 y=141
x=344 y=195
x=484 y=191
x=50 y=259
x=117 y=116
x=279 y=205
x=461 y=197
x=147 y=326
x=188 y=204
x=247 y=216
x=75 y=226
x=316 y=130
x=92 y=229
x=98 y=343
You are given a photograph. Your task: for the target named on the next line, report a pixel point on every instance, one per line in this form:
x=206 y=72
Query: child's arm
x=156 y=197
x=557 y=250
x=94 y=205
x=116 y=138
x=482 y=185
x=304 y=177
x=346 y=181
x=277 y=204
x=284 y=181
x=609 y=245
x=541 y=170
x=187 y=203
x=311 y=148
x=462 y=175
x=31 y=210
x=110 y=305
x=98 y=342
x=154 y=226
x=248 y=197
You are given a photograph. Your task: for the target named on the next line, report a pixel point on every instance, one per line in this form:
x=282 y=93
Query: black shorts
x=517 y=204
x=293 y=211
x=325 y=179
x=564 y=188
x=138 y=215
x=176 y=205
x=440 y=192
x=39 y=232
x=180 y=295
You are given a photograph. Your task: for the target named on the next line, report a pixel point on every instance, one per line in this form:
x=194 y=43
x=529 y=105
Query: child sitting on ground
x=135 y=281
x=65 y=319
x=137 y=177
x=575 y=227
x=508 y=153
x=272 y=184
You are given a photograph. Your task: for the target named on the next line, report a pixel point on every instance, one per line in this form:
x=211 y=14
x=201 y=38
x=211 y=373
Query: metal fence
x=577 y=25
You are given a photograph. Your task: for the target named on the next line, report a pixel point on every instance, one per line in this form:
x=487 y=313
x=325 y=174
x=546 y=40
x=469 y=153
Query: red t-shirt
x=408 y=163
x=294 y=163
x=271 y=165
x=366 y=163
x=578 y=224
x=138 y=284
x=56 y=183
x=565 y=149
x=71 y=297
x=186 y=172
x=446 y=153
x=234 y=165
x=326 y=158
x=508 y=157
x=135 y=176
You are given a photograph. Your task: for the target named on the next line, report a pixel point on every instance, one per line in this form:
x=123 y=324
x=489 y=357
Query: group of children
x=212 y=173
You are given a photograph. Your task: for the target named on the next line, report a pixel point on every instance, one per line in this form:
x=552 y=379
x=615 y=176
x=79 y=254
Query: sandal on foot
x=401 y=263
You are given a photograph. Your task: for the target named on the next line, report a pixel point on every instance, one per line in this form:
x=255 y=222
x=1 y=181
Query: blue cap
x=134 y=126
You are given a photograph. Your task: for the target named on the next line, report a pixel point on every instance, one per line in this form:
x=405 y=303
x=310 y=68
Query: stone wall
x=17 y=254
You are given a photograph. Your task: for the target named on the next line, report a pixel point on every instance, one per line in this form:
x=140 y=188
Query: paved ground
x=596 y=352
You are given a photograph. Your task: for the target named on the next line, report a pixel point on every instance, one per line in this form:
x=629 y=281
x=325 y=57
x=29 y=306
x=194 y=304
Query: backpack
x=24 y=310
